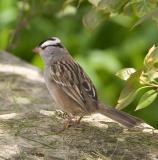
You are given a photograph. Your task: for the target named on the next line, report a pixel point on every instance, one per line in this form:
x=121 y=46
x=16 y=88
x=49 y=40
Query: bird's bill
x=36 y=50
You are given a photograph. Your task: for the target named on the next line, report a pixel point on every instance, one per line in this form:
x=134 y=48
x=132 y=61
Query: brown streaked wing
x=62 y=74
x=86 y=83
x=73 y=80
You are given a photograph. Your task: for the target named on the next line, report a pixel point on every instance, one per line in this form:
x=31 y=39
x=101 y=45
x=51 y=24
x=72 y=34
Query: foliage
x=103 y=35
x=139 y=8
x=138 y=80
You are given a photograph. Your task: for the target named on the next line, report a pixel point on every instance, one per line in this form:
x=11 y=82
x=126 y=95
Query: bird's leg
x=68 y=122
x=71 y=121
x=79 y=120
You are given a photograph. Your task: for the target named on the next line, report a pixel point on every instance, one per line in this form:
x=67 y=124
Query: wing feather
x=72 y=79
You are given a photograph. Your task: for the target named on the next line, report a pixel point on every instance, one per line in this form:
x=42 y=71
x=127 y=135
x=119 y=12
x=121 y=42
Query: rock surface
x=29 y=124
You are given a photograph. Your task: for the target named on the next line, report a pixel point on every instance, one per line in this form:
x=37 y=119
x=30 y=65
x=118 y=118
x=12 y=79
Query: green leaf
x=151 y=57
x=94 y=2
x=147 y=99
x=112 y=5
x=150 y=71
x=149 y=77
x=122 y=103
x=130 y=90
x=153 y=13
x=125 y=73
x=67 y=10
x=93 y=19
x=79 y=3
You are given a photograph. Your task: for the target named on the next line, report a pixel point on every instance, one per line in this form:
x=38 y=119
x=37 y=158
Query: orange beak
x=36 y=50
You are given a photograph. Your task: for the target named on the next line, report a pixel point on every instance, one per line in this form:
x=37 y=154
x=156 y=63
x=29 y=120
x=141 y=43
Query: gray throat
x=52 y=54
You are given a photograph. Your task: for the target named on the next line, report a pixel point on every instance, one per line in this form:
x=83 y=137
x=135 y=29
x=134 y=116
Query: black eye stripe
x=42 y=42
x=54 y=45
x=58 y=45
x=48 y=39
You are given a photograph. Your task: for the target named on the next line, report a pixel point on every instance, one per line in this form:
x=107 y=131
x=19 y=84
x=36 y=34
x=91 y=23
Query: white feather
x=51 y=42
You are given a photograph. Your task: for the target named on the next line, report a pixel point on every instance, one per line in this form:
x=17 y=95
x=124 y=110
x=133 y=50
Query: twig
x=21 y=22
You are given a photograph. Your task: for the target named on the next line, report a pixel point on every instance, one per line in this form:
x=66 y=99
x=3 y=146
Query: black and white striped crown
x=53 y=41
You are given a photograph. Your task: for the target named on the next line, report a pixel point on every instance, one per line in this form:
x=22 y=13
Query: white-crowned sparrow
x=70 y=86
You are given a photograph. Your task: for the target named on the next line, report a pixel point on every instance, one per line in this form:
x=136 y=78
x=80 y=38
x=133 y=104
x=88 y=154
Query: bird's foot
x=71 y=122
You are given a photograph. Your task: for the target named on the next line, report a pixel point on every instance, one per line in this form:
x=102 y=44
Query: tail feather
x=119 y=116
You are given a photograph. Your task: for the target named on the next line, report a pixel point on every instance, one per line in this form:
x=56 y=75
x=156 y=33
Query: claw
x=70 y=122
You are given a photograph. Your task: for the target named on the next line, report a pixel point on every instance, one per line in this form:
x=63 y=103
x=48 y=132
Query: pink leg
x=70 y=122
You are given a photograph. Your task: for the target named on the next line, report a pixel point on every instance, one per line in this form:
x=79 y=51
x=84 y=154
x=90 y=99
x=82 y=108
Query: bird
x=70 y=86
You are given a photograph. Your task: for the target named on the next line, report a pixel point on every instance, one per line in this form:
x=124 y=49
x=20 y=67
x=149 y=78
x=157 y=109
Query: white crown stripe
x=54 y=41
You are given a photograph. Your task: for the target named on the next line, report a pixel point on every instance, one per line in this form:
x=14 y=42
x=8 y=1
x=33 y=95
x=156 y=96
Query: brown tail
x=119 y=116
